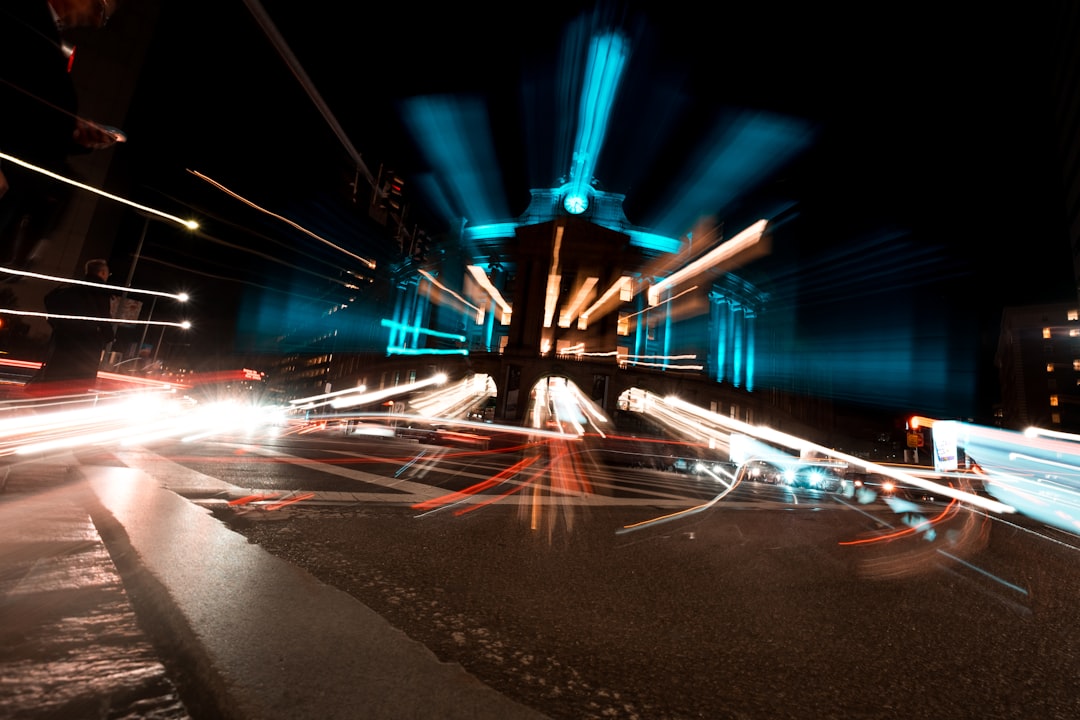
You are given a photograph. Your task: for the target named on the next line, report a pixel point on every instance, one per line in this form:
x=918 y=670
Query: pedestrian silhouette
x=78 y=338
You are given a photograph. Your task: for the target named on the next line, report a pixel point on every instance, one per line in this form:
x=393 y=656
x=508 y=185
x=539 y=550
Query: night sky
x=927 y=197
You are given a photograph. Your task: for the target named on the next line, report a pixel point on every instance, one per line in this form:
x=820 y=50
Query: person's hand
x=3 y=184
x=94 y=136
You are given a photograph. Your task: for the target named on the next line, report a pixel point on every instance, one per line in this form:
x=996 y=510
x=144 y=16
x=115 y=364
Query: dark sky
x=929 y=126
x=933 y=120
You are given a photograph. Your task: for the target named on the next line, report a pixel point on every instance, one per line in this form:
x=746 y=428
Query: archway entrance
x=557 y=403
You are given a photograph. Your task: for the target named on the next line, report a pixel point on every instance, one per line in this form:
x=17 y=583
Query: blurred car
x=420 y=434
x=813 y=476
x=763 y=472
x=372 y=429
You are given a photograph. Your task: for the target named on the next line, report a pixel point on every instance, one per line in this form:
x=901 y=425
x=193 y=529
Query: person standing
x=39 y=121
x=78 y=340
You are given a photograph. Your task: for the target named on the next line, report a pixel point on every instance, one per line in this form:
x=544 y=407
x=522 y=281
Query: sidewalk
x=250 y=635
x=70 y=643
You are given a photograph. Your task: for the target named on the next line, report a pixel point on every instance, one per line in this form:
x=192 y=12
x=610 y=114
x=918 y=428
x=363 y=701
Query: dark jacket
x=75 y=348
x=37 y=96
x=37 y=123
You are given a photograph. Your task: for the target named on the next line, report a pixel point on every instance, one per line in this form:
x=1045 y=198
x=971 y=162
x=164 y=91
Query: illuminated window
x=1046 y=333
x=1049 y=367
x=1053 y=401
x=1055 y=418
x=626 y=291
x=1076 y=365
x=1074 y=314
x=1074 y=332
x=624 y=324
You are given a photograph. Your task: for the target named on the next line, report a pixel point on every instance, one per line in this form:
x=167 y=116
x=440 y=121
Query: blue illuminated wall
x=892 y=354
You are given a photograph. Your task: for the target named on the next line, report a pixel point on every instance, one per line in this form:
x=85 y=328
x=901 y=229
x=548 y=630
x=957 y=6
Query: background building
x=870 y=292
x=1039 y=361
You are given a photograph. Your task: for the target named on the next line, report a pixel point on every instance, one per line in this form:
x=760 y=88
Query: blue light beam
x=454 y=135
x=738 y=158
x=607 y=59
x=420 y=331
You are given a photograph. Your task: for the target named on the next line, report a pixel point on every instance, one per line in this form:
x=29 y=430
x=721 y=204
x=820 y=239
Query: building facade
x=1038 y=361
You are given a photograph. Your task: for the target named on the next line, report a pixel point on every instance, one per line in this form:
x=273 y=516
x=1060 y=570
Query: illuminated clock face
x=575 y=204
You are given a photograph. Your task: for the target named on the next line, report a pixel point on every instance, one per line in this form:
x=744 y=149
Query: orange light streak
x=742 y=241
x=484 y=282
x=495 y=498
x=617 y=286
x=290 y=501
x=20 y=363
x=436 y=283
x=477 y=488
x=287 y=221
x=252 y=498
x=948 y=511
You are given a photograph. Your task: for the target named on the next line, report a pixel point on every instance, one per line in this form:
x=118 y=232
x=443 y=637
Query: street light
x=182 y=297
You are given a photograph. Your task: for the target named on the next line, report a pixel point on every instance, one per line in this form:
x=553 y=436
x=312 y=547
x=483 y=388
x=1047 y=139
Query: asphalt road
x=641 y=594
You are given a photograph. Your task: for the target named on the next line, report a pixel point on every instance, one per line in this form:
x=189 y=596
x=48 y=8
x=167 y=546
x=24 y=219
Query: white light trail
x=179 y=297
x=184 y=325
x=669 y=366
x=804 y=446
x=745 y=239
x=366 y=398
x=1055 y=434
x=189 y=224
x=336 y=393
x=1037 y=471
x=109 y=420
x=456 y=400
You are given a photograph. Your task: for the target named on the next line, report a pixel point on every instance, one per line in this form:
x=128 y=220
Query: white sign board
x=945 y=455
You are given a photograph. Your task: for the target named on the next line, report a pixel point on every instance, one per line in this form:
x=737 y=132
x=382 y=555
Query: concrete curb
x=266 y=639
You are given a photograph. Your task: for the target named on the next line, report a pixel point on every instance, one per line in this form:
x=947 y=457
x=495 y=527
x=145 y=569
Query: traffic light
x=388 y=198
x=916 y=423
x=395 y=188
x=420 y=245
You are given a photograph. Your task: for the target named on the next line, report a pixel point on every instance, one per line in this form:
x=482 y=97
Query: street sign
x=127 y=309
x=946 y=455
